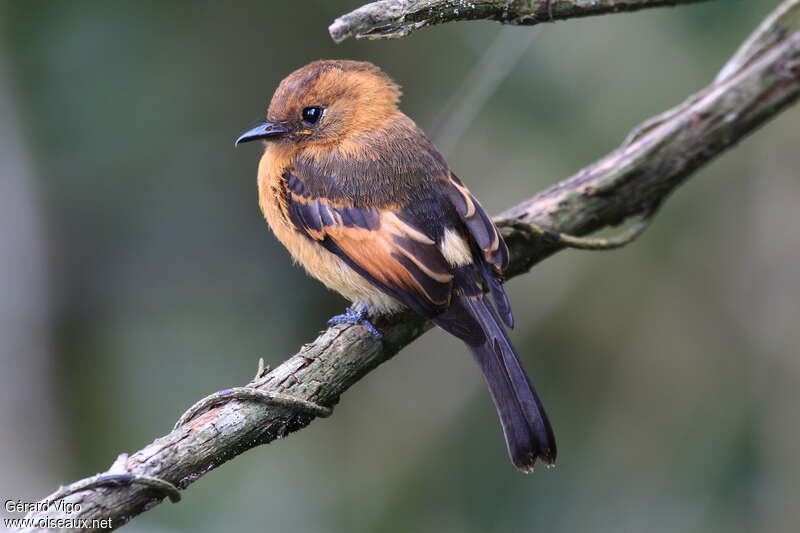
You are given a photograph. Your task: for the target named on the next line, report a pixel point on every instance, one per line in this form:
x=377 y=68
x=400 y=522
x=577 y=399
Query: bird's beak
x=266 y=130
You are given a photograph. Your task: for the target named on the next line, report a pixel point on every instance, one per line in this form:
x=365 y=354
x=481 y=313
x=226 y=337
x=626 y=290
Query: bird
x=362 y=199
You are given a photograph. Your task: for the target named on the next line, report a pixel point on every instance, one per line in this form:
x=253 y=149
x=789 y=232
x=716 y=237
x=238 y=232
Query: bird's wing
x=387 y=246
x=480 y=226
x=488 y=239
x=398 y=247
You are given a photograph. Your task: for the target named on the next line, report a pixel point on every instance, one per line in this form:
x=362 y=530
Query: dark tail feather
x=525 y=425
x=498 y=295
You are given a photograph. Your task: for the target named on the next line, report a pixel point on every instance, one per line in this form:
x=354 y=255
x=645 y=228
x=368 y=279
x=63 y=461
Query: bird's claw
x=357 y=317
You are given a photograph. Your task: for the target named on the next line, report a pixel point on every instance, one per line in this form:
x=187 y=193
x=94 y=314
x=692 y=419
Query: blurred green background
x=138 y=276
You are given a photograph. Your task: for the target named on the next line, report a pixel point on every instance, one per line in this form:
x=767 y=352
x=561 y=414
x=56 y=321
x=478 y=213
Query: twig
x=390 y=19
x=631 y=180
x=297 y=405
x=117 y=480
x=584 y=243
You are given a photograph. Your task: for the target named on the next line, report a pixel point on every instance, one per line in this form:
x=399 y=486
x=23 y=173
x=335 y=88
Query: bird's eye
x=311 y=115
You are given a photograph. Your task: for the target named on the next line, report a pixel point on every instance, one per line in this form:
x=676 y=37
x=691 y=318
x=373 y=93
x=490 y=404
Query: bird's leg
x=355 y=315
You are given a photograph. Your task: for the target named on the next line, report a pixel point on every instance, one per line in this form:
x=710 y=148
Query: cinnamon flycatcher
x=364 y=201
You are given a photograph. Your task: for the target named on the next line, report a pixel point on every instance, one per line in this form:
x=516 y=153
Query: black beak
x=266 y=130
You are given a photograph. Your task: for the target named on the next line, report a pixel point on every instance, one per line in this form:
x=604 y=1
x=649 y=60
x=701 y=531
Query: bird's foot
x=357 y=317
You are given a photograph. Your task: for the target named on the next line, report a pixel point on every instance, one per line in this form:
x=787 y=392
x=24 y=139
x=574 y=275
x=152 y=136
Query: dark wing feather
x=480 y=226
x=487 y=237
x=383 y=245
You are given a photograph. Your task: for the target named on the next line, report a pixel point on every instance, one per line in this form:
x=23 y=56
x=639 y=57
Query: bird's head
x=327 y=102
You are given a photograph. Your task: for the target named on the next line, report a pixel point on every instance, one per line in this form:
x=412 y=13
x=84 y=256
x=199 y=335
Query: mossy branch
x=391 y=19
x=762 y=79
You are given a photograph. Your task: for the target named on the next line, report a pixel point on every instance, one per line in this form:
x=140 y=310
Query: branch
x=762 y=79
x=391 y=19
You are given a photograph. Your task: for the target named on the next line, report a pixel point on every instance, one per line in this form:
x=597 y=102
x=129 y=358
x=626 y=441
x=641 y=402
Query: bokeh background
x=138 y=275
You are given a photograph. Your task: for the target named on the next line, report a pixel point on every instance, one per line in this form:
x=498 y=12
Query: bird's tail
x=527 y=431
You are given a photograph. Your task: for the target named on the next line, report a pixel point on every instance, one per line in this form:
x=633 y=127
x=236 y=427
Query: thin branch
x=390 y=19
x=634 y=179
